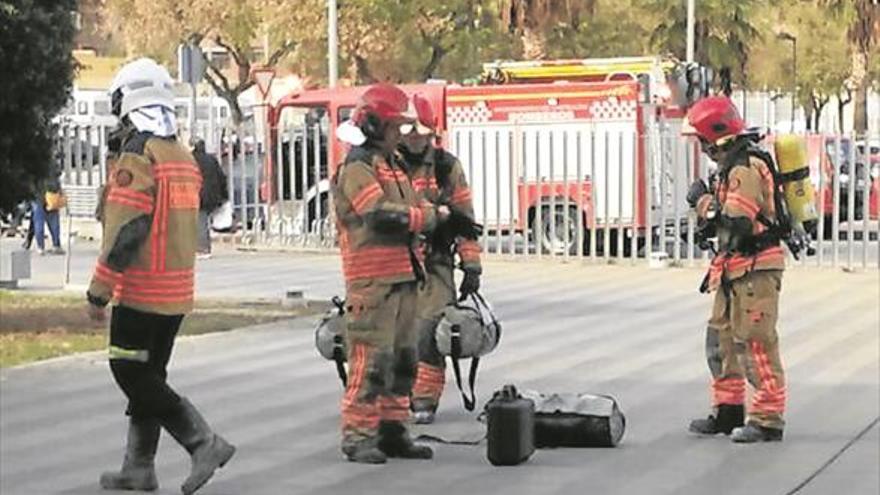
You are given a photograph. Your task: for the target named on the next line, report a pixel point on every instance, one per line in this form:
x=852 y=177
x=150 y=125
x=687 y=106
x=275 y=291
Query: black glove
x=463 y=226
x=469 y=285
x=696 y=191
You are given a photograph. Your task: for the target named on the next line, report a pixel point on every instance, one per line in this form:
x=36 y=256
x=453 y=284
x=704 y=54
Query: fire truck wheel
x=558 y=228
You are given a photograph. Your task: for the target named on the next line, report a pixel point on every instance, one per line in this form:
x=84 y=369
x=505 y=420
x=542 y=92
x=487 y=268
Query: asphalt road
x=631 y=332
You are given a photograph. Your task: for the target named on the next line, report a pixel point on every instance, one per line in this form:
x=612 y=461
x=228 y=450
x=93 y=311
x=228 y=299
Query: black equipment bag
x=576 y=420
x=510 y=428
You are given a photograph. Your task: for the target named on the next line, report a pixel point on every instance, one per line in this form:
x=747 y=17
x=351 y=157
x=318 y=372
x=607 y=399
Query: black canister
x=511 y=425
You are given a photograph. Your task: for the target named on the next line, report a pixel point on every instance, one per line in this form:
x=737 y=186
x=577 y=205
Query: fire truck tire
x=552 y=236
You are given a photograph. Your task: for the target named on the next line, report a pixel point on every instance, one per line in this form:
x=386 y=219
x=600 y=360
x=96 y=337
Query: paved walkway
x=631 y=332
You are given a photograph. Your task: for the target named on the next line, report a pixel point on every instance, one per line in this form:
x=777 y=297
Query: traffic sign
x=263 y=76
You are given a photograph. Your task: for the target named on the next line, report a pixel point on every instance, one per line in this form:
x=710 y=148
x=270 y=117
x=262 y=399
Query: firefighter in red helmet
x=439 y=177
x=379 y=218
x=746 y=273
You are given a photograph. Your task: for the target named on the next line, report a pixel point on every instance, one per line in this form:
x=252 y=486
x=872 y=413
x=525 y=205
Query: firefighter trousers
x=437 y=292
x=140 y=348
x=381 y=356
x=742 y=345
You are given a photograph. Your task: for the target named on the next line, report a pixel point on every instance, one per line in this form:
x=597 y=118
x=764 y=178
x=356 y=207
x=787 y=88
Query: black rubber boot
x=395 y=441
x=753 y=433
x=728 y=417
x=138 y=471
x=208 y=450
x=364 y=452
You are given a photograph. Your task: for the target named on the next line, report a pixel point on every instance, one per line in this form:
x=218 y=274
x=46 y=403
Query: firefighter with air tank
x=744 y=211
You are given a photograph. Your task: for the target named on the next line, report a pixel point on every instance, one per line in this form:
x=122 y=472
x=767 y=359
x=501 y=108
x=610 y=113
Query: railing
x=574 y=192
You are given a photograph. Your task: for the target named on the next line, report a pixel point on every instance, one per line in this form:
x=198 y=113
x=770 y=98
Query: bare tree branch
x=286 y=48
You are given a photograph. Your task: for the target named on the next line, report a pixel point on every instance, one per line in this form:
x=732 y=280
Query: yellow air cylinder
x=791 y=156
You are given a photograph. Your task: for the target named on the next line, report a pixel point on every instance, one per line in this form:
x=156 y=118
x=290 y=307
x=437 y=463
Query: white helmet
x=139 y=84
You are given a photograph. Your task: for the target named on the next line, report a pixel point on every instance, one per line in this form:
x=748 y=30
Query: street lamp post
x=790 y=37
x=691 y=8
x=332 y=43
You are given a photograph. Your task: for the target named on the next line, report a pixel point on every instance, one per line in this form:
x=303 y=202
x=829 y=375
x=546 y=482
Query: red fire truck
x=547 y=146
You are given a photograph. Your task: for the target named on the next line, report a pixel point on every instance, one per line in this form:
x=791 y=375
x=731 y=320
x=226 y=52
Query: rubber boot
x=138 y=471
x=207 y=450
x=753 y=433
x=364 y=452
x=728 y=417
x=395 y=441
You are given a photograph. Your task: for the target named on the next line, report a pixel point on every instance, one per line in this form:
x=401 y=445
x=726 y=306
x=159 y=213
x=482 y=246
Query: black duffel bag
x=576 y=420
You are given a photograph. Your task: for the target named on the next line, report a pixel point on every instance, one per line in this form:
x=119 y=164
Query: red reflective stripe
x=358 y=367
x=159 y=291
x=130 y=194
x=138 y=272
x=461 y=195
x=146 y=208
x=393 y=408
x=127 y=197
x=422 y=183
x=746 y=204
x=429 y=381
x=352 y=275
x=163 y=227
x=769 y=397
x=366 y=197
x=386 y=173
x=104 y=268
x=175 y=166
x=773 y=254
x=355 y=413
x=729 y=391
x=376 y=262
x=416 y=219
x=147 y=299
x=158 y=282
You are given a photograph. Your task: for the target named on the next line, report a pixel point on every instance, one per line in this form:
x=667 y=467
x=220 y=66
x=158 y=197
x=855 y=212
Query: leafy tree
x=532 y=19
x=724 y=32
x=615 y=29
x=156 y=28
x=863 y=33
x=822 y=55
x=36 y=39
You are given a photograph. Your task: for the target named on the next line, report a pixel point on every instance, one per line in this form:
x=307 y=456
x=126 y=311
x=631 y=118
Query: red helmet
x=714 y=119
x=385 y=101
x=427 y=119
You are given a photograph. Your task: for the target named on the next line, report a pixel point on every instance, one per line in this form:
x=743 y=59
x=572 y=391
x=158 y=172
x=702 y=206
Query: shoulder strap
x=136 y=143
x=443 y=163
x=359 y=154
x=339 y=360
x=469 y=402
x=338 y=357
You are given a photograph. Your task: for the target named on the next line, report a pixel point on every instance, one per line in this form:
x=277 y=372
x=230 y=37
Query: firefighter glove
x=696 y=191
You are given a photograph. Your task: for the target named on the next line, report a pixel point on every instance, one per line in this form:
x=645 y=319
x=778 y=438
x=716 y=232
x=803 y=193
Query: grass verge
x=37 y=326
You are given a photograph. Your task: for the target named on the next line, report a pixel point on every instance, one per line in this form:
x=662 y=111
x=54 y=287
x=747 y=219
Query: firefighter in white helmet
x=146 y=268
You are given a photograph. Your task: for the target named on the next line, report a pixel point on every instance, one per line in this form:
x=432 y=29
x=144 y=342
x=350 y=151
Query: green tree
x=724 y=32
x=822 y=55
x=615 y=29
x=156 y=28
x=36 y=39
x=531 y=20
x=863 y=33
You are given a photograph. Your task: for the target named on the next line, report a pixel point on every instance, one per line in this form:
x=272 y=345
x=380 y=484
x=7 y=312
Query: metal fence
x=573 y=192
